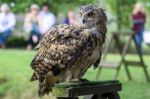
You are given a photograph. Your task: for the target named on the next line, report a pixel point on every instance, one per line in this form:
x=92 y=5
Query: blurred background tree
x=121 y=9
x=21 y=6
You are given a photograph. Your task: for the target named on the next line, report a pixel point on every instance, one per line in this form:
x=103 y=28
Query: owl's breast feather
x=96 y=54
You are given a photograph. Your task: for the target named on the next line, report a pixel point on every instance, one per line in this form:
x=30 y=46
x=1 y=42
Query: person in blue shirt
x=7 y=24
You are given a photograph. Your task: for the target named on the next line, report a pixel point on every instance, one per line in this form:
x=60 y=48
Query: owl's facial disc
x=89 y=19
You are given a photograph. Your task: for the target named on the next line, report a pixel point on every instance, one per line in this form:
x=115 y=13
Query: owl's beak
x=84 y=21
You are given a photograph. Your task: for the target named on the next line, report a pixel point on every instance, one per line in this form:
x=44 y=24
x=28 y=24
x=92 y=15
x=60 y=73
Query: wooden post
x=142 y=61
x=123 y=52
x=99 y=90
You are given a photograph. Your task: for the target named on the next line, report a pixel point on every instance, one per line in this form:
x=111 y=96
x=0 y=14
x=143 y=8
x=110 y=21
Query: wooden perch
x=103 y=89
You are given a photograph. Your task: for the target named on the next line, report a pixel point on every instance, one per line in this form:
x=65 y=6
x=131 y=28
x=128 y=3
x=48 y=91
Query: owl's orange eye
x=91 y=14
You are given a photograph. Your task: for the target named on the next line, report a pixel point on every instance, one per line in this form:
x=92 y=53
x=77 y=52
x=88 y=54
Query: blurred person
x=71 y=19
x=31 y=26
x=7 y=24
x=60 y=18
x=138 y=19
x=47 y=19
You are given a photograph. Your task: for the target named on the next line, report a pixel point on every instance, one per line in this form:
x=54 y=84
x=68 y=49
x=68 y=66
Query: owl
x=66 y=51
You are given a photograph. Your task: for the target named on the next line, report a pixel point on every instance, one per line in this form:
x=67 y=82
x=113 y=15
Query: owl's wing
x=61 y=47
x=95 y=64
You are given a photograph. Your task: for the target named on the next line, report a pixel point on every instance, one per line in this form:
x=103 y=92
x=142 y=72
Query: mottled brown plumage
x=66 y=51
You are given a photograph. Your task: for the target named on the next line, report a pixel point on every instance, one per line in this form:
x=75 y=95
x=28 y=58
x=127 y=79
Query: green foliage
x=14 y=66
x=117 y=6
x=123 y=10
x=16 y=41
x=22 y=6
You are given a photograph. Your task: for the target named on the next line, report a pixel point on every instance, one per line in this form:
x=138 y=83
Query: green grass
x=14 y=67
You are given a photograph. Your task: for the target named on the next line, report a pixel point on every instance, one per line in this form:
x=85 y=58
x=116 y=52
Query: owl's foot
x=83 y=80
x=75 y=80
x=79 y=80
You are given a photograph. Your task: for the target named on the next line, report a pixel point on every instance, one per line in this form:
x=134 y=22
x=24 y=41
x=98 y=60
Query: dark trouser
x=4 y=36
x=139 y=39
x=33 y=33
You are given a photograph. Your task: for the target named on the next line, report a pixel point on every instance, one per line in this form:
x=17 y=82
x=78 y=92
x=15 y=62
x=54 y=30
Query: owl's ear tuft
x=102 y=13
x=101 y=9
x=82 y=7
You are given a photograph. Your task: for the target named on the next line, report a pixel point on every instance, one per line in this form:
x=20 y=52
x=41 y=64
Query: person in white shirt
x=47 y=19
x=31 y=26
x=7 y=24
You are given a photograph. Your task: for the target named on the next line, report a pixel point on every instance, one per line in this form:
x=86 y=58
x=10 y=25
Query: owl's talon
x=75 y=80
x=83 y=80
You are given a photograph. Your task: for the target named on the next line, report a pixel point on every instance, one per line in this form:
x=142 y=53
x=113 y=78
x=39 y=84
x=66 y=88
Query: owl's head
x=92 y=16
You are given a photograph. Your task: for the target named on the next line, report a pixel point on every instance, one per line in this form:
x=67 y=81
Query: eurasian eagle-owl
x=66 y=51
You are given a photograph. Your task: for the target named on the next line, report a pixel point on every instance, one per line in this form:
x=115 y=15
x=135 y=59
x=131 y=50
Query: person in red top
x=138 y=19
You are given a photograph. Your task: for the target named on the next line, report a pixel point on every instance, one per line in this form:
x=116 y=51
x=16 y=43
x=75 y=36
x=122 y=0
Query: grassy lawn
x=15 y=70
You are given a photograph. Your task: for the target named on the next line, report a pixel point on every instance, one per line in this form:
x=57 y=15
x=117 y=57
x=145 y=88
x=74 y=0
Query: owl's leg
x=76 y=72
x=75 y=80
x=68 y=76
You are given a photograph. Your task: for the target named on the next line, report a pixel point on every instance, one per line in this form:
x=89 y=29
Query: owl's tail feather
x=45 y=85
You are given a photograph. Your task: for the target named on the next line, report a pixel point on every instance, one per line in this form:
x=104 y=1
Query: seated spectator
x=7 y=24
x=139 y=19
x=47 y=19
x=71 y=19
x=31 y=26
